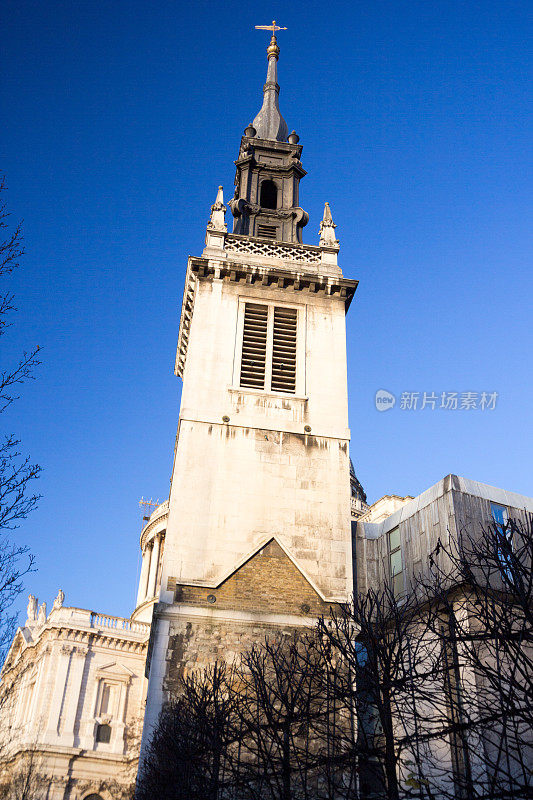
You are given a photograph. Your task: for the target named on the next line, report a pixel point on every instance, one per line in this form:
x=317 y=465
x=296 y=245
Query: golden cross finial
x=272 y=28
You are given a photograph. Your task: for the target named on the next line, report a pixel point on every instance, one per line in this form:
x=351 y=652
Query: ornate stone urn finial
x=327 y=230
x=41 y=618
x=217 y=220
x=32 y=609
x=217 y=229
x=58 y=602
x=328 y=244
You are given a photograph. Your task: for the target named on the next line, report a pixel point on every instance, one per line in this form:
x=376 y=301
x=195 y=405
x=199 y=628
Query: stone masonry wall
x=272 y=596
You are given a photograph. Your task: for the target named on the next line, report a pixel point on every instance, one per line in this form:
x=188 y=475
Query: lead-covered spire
x=266 y=204
x=269 y=124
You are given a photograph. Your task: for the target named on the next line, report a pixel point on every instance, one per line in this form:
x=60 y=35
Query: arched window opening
x=269 y=195
x=103 y=734
x=93 y=797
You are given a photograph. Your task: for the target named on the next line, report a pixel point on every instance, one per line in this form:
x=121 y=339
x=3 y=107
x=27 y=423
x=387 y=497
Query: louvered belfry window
x=266 y=231
x=284 y=350
x=254 y=344
x=269 y=342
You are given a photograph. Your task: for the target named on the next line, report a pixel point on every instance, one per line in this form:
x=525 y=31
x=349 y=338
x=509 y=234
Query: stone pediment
x=266 y=580
x=20 y=641
x=114 y=669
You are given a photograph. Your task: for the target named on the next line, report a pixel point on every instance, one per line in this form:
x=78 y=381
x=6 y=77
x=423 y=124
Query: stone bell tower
x=258 y=533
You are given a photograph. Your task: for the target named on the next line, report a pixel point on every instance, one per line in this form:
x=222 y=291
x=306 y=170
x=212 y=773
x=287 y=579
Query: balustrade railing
x=284 y=251
x=118 y=623
x=358 y=505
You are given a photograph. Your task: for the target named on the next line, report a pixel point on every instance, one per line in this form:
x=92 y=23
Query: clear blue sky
x=120 y=121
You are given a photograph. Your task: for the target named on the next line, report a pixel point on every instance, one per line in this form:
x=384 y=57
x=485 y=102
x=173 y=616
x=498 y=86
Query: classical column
x=19 y=702
x=119 y=724
x=37 y=692
x=75 y=678
x=87 y=739
x=150 y=554
x=154 y=563
x=61 y=671
x=143 y=580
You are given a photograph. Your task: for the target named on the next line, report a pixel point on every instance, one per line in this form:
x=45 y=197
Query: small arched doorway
x=268 y=197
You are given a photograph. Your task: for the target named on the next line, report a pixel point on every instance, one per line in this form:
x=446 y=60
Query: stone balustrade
x=83 y=618
x=118 y=623
x=152 y=525
x=358 y=506
x=161 y=509
x=307 y=254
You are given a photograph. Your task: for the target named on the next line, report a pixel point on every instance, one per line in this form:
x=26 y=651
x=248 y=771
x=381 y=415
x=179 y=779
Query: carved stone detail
x=284 y=252
x=41 y=618
x=218 y=211
x=327 y=229
x=32 y=609
x=58 y=602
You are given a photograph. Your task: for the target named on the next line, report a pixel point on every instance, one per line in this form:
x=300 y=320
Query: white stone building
x=73 y=691
x=152 y=548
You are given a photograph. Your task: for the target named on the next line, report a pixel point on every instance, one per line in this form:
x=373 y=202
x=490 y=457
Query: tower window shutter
x=254 y=344
x=284 y=350
x=269 y=348
x=267 y=231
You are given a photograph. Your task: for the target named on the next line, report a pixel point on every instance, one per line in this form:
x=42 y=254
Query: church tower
x=258 y=535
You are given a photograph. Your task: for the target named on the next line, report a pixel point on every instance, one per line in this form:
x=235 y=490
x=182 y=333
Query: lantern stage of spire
x=265 y=204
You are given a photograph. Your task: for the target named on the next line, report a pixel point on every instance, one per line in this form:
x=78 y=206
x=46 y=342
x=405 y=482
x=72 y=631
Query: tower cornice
x=298 y=279
x=254 y=142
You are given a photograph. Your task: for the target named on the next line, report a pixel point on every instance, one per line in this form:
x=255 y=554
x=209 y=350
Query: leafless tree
x=485 y=626
x=423 y=695
x=443 y=673
x=187 y=755
x=24 y=778
x=389 y=671
x=251 y=730
x=288 y=723
x=17 y=472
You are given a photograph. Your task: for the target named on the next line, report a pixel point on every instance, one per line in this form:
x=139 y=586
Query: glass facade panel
x=499 y=513
x=397 y=584
x=394 y=539
x=396 y=562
